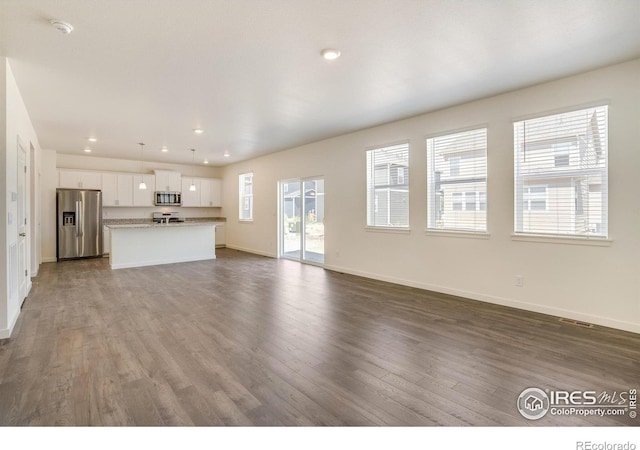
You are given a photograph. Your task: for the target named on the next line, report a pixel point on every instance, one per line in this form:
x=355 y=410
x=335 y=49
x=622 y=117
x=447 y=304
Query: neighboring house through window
x=561 y=174
x=388 y=186
x=457 y=181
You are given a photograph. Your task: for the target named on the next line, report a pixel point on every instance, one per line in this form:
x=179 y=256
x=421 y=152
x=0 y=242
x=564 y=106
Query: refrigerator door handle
x=79 y=218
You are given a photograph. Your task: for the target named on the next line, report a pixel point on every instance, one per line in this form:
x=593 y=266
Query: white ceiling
x=249 y=72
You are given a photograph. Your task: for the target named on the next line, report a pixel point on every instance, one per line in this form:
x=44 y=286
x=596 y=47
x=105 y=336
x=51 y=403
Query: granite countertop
x=161 y=225
x=113 y=223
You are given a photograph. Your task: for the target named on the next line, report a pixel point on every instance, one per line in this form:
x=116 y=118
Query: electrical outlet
x=519 y=280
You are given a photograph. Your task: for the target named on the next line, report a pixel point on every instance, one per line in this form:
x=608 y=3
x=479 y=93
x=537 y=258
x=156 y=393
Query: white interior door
x=23 y=272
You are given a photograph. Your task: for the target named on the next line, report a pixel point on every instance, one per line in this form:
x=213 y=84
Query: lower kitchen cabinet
x=106 y=240
x=220 y=241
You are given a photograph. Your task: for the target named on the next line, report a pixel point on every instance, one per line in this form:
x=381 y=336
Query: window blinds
x=246 y=196
x=388 y=186
x=457 y=181
x=561 y=174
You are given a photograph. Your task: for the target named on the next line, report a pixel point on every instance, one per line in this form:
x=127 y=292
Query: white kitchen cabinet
x=144 y=197
x=208 y=192
x=117 y=189
x=220 y=240
x=109 y=189
x=106 y=240
x=189 y=197
x=79 y=179
x=211 y=195
x=167 y=180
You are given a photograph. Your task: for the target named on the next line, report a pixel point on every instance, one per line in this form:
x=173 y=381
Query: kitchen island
x=150 y=244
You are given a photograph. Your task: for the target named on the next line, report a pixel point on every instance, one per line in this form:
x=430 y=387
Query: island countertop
x=161 y=225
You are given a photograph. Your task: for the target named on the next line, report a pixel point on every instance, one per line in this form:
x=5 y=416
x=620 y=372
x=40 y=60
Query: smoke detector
x=63 y=27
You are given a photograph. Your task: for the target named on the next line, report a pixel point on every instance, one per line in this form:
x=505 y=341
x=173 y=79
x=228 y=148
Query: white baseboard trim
x=6 y=333
x=558 y=312
x=49 y=259
x=249 y=250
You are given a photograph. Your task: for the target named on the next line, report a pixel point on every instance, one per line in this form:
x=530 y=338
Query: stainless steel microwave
x=164 y=198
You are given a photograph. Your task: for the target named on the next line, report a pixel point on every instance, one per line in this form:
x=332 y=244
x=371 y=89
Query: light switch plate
x=14 y=196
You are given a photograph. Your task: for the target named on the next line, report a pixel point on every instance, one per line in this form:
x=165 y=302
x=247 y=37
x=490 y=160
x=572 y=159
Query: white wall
x=48 y=185
x=598 y=284
x=18 y=124
x=4 y=201
x=51 y=161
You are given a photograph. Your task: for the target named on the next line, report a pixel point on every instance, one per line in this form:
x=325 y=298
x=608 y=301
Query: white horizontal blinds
x=561 y=174
x=246 y=196
x=388 y=186
x=457 y=181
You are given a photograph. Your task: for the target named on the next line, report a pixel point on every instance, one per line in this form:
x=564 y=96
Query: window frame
x=243 y=197
x=434 y=199
x=557 y=171
x=373 y=204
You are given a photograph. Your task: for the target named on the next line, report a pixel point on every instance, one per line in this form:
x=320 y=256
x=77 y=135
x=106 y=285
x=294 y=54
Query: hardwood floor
x=248 y=340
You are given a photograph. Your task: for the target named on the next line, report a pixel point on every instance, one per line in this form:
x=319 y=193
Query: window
x=454 y=166
x=388 y=186
x=456 y=198
x=561 y=174
x=535 y=198
x=457 y=181
x=245 y=181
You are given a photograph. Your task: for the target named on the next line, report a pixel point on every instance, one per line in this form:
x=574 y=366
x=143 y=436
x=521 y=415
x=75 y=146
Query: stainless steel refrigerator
x=79 y=220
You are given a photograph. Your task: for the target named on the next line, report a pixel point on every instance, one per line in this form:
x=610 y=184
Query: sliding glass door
x=302 y=219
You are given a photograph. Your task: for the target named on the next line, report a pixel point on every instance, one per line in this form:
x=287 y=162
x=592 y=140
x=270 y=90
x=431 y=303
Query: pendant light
x=192 y=188
x=142 y=184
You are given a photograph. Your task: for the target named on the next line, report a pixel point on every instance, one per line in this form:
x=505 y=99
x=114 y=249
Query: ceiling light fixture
x=330 y=53
x=192 y=188
x=198 y=130
x=87 y=150
x=206 y=161
x=226 y=153
x=164 y=149
x=63 y=27
x=92 y=139
x=142 y=184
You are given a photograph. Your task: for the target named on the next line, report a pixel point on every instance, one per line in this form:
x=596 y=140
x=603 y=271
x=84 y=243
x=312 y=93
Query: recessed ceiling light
x=87 y=150
x=164 y=149
x=63 y=27
x=330 y=53
x=92 y=139
x=198 y=130
x=226 y=153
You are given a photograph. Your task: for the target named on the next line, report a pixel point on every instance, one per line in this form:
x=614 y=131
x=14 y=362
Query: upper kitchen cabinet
x=143 y=197
x=122 y=189
x=211 y=195
x=79 y=179
x=189 y=197
x=167 y=180
x=208 y=192
x=117 y=189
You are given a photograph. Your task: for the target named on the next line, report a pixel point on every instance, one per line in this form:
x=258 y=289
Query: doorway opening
x=301 y=224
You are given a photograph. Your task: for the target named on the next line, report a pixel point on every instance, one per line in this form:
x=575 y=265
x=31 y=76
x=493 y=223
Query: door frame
x=281 y=225
x=24 y=281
